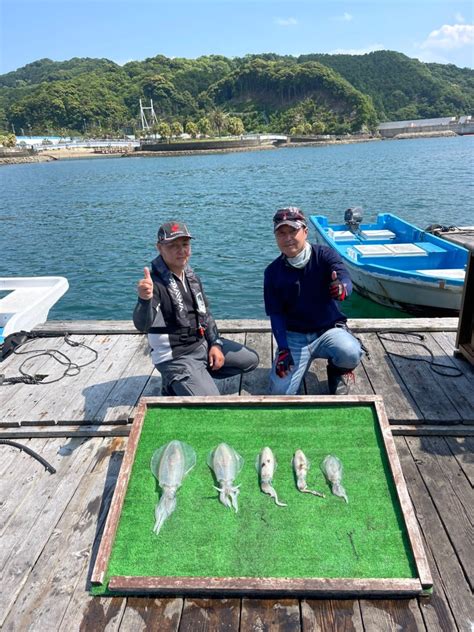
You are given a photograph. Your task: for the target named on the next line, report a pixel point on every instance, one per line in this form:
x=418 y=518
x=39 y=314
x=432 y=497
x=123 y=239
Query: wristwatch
x=218 y=341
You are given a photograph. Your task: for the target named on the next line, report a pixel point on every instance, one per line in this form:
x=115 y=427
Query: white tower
x=147 y=116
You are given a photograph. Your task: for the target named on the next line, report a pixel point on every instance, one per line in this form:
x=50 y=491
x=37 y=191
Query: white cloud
x=358 y=51
x=431 y=57
x=345 y=17
x=449 y=37
x=286 y=21
x=460 y=19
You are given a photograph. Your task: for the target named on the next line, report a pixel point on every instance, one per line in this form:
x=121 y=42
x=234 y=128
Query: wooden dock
x=51 y=524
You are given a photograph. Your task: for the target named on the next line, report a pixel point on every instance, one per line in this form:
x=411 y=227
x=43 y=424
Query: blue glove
x=284 y=362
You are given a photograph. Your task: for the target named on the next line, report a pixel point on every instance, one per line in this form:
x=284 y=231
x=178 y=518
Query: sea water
x=95 y=220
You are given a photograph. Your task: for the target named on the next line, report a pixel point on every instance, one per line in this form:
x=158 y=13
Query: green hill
x=269 y=92
x=402 y=88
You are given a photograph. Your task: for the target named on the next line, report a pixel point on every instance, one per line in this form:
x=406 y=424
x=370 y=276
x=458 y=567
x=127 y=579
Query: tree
x=192 y=129
x=218 y=120
x=204 y=126
x=235 y=126
x=176 y=128
x=8 y=140
x=164 y=130
x=318 y=127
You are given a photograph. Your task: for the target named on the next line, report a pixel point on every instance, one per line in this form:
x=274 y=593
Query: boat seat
x=341 y=235
x=390 y=250
x=406 y=249
x=447 y=273
x=376 y=234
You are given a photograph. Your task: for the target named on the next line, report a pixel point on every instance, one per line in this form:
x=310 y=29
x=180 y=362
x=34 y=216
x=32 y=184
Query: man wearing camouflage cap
x=302 y=289
x=173 y=310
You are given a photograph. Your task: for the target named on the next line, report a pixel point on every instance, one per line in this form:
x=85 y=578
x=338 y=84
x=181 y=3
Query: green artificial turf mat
x=312 y=537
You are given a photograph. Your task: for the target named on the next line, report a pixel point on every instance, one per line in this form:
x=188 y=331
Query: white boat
x=25 y=301
x=397 y=264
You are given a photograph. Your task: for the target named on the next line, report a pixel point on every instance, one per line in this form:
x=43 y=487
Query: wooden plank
x=10 y=367
x=19 y=397
x=451 y=595
x=459 y=430
x=21 y=477
x=210 y=614
x=270 y=615
x=420 y=381
x=57 y=399
x=9 y=455
x=453 y=472
x=88 y=327
x=451 y=511
x=385 y=381
x=463 y=450
x=105 y=548
x=257 y=382
x=275 y=586
x=41 y=400
x=83 y=611
x=262 y=400
x=323 y=615
x=402 y=614
x=459 y=389
x=68 y=549
x=99 y=381
x=28 y=532
x=447 y=341
x=100 y=613
x=123 y=397
x=406 y=505
x=81 y=430
x=145 y=613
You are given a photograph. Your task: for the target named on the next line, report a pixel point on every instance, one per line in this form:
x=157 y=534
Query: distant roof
x=418 y=122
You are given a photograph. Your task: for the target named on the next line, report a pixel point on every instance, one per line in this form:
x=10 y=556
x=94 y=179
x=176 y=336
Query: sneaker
x=339 y=383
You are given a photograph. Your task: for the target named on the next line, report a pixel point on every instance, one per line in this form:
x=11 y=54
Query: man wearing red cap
x=172 y=308
x=302 y=289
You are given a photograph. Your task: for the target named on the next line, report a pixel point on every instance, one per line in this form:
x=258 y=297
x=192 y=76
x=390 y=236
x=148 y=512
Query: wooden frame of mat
x=264 y=586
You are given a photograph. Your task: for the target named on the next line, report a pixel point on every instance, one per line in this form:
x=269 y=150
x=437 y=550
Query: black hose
x=31 y=452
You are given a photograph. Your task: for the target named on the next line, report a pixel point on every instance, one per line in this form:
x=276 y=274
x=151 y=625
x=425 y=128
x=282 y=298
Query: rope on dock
x=442 y=369
x=72 y=368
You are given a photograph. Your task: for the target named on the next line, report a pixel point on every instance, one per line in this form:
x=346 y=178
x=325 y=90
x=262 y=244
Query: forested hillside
x=266 y=93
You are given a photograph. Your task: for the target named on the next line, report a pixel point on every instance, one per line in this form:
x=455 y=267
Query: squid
x=332 y=470
x=226 y=464
x=301 y=466
x=266 y=466
x=170 y=464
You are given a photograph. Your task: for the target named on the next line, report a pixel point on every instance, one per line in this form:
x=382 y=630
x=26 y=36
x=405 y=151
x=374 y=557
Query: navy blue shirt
x=301 y=295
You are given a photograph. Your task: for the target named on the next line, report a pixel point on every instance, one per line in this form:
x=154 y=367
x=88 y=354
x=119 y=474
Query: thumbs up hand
x=337 y=289
x=145 y=286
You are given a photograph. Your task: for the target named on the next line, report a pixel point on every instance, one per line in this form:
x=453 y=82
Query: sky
x=439 y=31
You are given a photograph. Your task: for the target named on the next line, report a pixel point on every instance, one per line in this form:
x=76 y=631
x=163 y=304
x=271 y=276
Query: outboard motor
x=353 y=218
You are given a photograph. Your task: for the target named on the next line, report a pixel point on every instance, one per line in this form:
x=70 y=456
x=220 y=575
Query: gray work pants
x=190 y=374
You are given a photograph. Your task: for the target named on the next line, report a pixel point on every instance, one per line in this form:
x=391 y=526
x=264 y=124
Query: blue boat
x=396 y=264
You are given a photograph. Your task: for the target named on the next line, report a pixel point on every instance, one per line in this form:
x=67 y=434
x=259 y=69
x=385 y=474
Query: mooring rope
x=442 y=368
x=72 y=368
